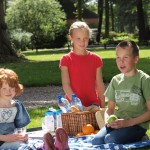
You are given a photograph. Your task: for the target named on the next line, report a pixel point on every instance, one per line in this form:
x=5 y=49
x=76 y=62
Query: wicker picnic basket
x=73 y=122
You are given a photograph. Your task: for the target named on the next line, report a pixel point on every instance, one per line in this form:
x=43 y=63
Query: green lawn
x=43 y=67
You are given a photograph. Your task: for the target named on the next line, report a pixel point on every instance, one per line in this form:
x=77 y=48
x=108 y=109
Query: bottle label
x=49 y=123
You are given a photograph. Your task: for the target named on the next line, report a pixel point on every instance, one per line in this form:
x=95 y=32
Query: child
x=12 y=113
x=81 y=69
x=129 y=91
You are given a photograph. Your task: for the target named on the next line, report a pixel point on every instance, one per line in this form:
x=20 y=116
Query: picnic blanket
x=84 y=143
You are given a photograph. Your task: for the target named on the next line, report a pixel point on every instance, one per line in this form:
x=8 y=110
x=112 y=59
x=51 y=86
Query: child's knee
x=110 y=139
x=97 y=141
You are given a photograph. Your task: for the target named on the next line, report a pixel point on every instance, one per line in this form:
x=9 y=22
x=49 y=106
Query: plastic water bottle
x=63 y=104
x=58 y=119
x=76 y=101
x=49 y=121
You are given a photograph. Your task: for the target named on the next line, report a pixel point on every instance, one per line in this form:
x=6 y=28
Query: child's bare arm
x=110 y=109
x=13 y=137
x=100 y=86
x=66 y=82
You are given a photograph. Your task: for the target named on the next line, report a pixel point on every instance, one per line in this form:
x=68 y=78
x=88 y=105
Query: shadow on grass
x=45 y=52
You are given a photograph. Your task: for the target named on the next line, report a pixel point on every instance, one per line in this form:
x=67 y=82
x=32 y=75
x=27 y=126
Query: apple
x=112 y=118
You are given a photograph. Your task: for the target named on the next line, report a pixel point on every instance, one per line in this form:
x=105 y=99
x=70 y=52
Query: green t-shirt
x=130 y=95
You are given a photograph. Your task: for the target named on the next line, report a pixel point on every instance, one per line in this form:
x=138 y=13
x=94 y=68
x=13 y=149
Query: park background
x=33 y=37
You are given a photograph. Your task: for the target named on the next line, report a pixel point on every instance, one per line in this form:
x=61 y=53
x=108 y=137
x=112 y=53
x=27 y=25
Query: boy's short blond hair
x=79 y=25
x=10 y=77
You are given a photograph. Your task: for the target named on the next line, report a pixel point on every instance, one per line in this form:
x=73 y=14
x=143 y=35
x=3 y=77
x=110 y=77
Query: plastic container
x=51 y=109
x=76 y=101
x=58 y=119
x=63 y=104
x=49 y=121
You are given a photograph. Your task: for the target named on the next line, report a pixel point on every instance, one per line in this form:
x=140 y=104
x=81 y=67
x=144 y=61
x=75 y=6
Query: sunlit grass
x=36 y=114
x=43 y=66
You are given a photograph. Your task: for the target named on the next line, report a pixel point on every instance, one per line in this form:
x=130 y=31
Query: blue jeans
x=119 y=136
x=13 y=146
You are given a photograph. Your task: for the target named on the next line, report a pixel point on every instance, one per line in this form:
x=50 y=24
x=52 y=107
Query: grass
x=43 y=67
x=36 y=115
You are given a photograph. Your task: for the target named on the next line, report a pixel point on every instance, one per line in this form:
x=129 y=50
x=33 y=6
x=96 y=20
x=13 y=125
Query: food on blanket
x=88 y=129
x=79 y=134
x=96 y=131
x=74 y=109
x=112 y=118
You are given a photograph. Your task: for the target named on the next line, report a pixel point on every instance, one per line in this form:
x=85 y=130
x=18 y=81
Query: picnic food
x=74 y=109
x=112 y=118
x=88 y=129
x=96 y=131
x=79 y=134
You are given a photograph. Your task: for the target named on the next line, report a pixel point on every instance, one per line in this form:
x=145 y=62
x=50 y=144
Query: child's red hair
x=10 y=77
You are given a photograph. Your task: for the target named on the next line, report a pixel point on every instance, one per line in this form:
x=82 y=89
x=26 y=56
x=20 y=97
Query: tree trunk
x=112 y=16
x=106 y=19
x=79 y=9
x=141 y=22
x=100 y=15
x=7 y=53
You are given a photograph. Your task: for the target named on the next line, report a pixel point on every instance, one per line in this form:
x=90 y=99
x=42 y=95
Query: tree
x=7 y=52
x=79 y=9
x=92 y=5
x=112 y=15
x=44 y=19
x=141 y=22
x=106 y=18
x=100 y=14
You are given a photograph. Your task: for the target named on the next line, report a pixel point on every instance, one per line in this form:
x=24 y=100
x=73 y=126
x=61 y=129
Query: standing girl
x=81 y=70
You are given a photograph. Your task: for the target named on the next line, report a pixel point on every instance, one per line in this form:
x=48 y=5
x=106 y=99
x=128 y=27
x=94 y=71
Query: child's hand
x=119 y=123
x=15 y=137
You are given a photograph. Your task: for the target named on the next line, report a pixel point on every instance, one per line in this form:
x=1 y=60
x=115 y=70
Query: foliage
x=44 y=19
x=92 y=5
x=104 y=41
x=20 y=39
x=79 y=9
x=115 y=37
x=124 y=36
x=131 y=17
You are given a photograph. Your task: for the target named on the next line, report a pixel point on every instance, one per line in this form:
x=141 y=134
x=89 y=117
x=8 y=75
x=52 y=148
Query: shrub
x=20 y=39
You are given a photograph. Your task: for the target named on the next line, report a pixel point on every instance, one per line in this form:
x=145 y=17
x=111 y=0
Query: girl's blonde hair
x=9 y=76
x=79 y=25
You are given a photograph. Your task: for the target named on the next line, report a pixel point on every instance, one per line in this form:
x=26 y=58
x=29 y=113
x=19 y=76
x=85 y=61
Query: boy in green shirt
x=129 y=93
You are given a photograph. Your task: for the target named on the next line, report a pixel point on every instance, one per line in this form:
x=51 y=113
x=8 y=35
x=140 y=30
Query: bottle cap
x=49 y=113
x=58 y=112
x=59 y=96
x=73 y=95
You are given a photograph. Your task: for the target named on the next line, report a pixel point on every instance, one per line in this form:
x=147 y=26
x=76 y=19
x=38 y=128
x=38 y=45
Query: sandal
x=48 y=142
x=61 y=141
